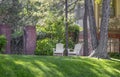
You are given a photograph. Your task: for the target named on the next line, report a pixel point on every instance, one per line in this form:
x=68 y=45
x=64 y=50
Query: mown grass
x=54 y=66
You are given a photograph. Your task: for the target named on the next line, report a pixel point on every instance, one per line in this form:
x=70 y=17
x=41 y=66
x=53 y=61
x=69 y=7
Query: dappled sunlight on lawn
x=40 y=68
x=116 y=59
x=57 y=66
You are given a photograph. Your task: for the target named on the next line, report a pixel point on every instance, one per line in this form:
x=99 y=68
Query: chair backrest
x=59 y=47
x=77 y=47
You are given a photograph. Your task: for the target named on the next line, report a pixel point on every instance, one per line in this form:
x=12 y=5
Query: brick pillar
x=5 y=30
x=29 y=40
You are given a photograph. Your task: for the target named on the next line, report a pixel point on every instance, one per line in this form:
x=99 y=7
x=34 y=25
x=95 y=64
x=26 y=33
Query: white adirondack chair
x=59 y=49
x=76 y=50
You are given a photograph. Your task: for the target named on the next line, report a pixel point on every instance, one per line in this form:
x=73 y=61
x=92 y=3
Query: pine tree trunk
x=92 y=25
x=101 y=51
x=85 y=31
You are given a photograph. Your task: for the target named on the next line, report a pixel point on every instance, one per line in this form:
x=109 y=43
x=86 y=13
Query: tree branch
x=72 y=3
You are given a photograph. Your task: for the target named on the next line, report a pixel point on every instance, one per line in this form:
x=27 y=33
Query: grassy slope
x=46 y=66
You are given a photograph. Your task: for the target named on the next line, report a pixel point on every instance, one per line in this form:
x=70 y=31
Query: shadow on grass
x=48 y=66
x=8 y=68
x=105 y=68
x=75 y=67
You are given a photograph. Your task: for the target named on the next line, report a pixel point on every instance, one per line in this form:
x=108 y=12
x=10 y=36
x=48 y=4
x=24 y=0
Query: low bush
x=114 y=55
x=2 y=43
x=45 y=47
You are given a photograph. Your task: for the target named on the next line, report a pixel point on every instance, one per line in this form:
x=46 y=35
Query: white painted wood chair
x=59 y=50
x=76 y=50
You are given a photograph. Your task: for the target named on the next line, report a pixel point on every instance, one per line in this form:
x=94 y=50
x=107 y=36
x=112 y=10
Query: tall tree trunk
x=92 y=24
x=66 y=27
x=101 y=51
x=85 y=31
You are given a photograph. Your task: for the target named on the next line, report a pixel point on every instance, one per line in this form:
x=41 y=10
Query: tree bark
x=85 y=31
x=66 y=27
x=92 y=25
x=101 y=51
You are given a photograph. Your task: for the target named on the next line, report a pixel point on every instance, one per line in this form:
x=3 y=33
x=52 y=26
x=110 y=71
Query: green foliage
x=74 y=28
x=54 y=27
x=2 y=43
x=54 y=66
x=73 y=31
x=44 y=47
x=17 y=34
x=114 y=55
x=51 y=33
x=18 y=13
x=71 y=43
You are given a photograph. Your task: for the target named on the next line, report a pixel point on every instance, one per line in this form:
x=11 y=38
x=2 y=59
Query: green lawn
x=53 y=66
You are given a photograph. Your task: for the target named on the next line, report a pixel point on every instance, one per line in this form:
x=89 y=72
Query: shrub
x=74 y=30
x=45 y=47
x=54 y=29
x=2 y=43
x=114 y=55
